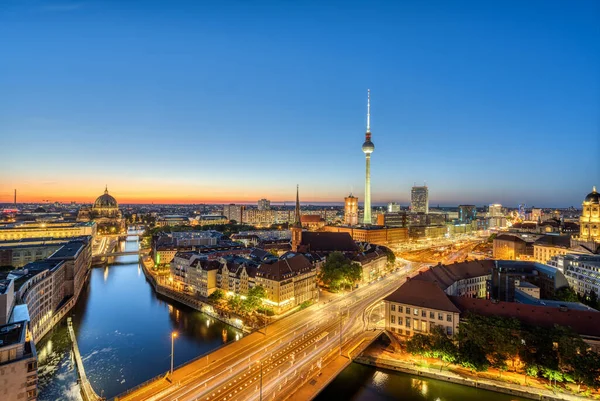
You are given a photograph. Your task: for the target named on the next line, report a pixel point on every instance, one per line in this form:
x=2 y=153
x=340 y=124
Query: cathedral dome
x=593 y=197
x=106 y=201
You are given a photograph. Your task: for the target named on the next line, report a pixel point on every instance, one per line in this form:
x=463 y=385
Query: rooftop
x=560 y=241
x=69 y=251
x=582 y=322
x=284 y=268
x=446 y=275
x=413 y=293
x=12 y=333
x=328 y=242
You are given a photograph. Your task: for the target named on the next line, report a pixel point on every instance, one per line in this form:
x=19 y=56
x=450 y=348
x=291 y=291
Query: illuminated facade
x=264 y=204
x=46 y=230
x=374 y=234
x=419 y=199
x=350 y=210
x=105 y=212
x=589 y=222
x=368 y=147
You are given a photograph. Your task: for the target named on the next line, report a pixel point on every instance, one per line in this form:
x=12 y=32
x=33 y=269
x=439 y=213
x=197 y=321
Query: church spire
x=297 y=221
x=106 y=190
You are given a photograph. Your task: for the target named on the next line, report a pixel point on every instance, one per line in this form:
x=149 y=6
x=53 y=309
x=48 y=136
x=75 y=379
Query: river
x=365 y=383
x=124 y=333
x=123 y=329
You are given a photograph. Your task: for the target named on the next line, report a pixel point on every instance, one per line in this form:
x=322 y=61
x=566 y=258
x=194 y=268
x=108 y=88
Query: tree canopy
x=339 y=272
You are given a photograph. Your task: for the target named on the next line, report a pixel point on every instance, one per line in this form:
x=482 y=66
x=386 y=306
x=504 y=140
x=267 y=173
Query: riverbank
x=376 y=358
x=191 y=302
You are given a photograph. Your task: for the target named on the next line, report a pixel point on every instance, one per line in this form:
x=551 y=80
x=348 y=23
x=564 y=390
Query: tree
x=442 y=347
x=339 y=272
x=472 y=356
x=566 y=294
x=217 y=295
x=586 y=369
x=254 y=298
x=234 y=303
x=419 y=344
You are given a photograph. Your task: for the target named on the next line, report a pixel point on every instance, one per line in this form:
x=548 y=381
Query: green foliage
x=419 y=344
x=339 y=272
x=217 y=295
x=566 y=294
x=266 y=311
x=305 y=304
x=235 y=303
x=254 y=298
x=472 y=356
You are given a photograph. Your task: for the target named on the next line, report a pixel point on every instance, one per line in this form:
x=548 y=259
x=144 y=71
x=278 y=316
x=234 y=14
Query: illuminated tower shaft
x=367 y=215
x=368 y=147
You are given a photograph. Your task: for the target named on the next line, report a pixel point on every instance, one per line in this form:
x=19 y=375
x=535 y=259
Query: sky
x=233 y=101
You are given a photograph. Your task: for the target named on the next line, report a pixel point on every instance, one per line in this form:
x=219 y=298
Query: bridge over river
x=276 y=361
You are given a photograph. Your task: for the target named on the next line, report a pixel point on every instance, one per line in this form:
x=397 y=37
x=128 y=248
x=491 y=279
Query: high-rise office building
x=234 y=212
x=466 y=213
x=264 y=204
x=368 y=147
x=351 y=210
x=393 y=207
x=419 y=199
x=495 y=210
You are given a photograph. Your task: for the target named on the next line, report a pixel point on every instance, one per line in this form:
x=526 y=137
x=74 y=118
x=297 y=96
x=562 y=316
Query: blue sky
x=237 y=100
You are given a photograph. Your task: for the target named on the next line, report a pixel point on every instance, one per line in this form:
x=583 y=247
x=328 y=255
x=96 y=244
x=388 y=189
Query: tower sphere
x=368 y=147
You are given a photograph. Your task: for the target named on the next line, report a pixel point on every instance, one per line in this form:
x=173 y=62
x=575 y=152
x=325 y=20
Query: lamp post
x=173 y=336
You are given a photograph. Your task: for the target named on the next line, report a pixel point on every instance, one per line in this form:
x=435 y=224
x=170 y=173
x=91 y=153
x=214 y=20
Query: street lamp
x=173 y=336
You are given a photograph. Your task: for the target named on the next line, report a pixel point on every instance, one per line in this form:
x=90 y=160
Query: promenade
x=87 y=392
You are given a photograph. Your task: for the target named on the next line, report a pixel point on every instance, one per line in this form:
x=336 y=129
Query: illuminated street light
x=173 y=336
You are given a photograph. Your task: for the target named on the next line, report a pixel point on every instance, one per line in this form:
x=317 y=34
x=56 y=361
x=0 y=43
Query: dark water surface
x=365 y=383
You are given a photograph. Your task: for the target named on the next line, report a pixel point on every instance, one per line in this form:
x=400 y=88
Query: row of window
x=421 y=312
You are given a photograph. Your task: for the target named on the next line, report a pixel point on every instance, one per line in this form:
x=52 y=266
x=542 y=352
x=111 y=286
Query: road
x=266 y=366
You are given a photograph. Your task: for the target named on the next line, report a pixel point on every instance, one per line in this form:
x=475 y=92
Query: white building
x=264 y=204
x=393 y=207
x=582 y=271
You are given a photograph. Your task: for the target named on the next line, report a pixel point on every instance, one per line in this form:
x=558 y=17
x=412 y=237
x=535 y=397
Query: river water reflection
x=365 y=383
x=124 y=333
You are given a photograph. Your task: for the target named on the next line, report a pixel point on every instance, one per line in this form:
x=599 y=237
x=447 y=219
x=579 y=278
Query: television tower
x=368 y=147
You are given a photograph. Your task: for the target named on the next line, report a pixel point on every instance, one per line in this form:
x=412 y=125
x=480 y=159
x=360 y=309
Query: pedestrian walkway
x=87 y=392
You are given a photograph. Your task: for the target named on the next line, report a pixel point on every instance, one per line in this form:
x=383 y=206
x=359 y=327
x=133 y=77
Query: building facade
x=589 y=222
x=582 y=271
x=350 y=210
x=419 y=199
x=264 y=204
x=417 y=307
x=234 y=212
x=378 y=235
x=47 y=230
x=467 y=213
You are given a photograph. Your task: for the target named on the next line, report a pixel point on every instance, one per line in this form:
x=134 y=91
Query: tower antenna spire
x=368 y=110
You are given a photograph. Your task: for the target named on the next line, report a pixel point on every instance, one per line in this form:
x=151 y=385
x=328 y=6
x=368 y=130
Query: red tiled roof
x=424 y=294
x=582 y=322
x=446 y=275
